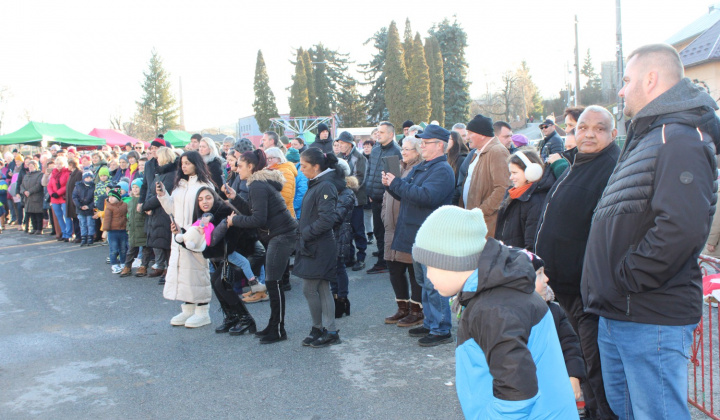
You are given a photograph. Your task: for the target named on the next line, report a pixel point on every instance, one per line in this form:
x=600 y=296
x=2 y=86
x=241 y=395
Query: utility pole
x=577 y=63
x=620 y=67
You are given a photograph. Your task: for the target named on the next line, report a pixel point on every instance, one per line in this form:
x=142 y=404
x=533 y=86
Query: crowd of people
x=572 y=264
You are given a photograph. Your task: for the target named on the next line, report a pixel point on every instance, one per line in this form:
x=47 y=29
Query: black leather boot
x=231 y=319
x=245 y=325
x=275 y=330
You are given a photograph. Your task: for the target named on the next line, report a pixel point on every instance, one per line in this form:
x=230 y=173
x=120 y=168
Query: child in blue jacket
x=509 y=364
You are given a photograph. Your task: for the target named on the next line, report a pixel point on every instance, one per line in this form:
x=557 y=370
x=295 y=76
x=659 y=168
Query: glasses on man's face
x=138 y=148
x=542 y=127
x=426 y=143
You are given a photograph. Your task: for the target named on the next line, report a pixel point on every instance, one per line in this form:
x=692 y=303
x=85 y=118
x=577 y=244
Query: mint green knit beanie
x=451 y=239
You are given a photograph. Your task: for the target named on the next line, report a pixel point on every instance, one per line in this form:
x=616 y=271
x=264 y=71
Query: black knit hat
x=408 y=124
x=322 y=127
x=243 y=145
x=482 y=125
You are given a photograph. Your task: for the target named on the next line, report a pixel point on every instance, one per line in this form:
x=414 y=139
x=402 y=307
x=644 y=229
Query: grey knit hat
x=244 y=145
x=451 y=239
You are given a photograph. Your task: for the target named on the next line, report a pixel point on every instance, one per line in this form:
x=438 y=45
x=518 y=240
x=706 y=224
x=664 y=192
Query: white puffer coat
x=188 y=275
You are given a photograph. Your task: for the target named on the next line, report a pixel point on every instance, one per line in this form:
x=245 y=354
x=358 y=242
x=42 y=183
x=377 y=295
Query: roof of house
x=704 y=48
x=700 y=25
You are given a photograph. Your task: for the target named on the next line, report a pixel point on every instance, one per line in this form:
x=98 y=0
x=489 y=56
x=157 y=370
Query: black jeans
x=229 y=300
x=586 y=326
x=277 y=256
x=357 y=221
x=399 y=281
x=379 y=230
x=37 y=220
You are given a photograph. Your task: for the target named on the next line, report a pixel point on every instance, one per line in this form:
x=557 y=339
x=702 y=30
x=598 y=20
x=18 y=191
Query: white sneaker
x=188 y=309
x=200 y=318
x=116 y=269
x=136 y=263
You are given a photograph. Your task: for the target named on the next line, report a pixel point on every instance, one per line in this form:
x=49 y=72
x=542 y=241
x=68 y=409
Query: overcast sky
x=79 y=62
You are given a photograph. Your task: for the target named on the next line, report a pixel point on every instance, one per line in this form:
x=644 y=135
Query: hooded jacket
x=509 y=363
x=137 y=236
x=316 y=250
x=58 y=185
x=656 y=212
x=84 y=195
x=358 y=167
x=32 y=183
x=518 y=218
x=343 y=214
x=325 y=145
x=289 y=172
x=157 y=224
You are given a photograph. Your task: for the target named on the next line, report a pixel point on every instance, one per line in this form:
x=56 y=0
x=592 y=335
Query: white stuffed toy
x=199 y=236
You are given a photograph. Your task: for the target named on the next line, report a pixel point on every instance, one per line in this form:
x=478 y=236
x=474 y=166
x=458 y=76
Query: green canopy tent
x=35 y=133
x=177 y=138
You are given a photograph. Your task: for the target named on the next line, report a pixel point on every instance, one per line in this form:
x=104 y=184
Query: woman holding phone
x=188 y=275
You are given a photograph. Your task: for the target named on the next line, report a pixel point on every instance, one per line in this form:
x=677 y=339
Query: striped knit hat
x=451 y=239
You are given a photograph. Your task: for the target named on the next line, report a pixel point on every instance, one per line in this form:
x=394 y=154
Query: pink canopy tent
x=114 y=138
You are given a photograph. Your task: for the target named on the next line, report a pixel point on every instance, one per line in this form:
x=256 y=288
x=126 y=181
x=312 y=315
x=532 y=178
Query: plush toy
x=193 y=239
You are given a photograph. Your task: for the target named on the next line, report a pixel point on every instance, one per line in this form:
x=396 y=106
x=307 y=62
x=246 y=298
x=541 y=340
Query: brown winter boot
x=415 y=317
x=401 y=313
x=141 y=272
x=126 y=272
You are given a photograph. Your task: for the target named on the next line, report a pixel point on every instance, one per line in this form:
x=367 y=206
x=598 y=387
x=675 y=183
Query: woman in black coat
x=32 y=191
x=157 y=224
x=316 y=252
x=266 y=211
x=520 y=210
x=209 y=152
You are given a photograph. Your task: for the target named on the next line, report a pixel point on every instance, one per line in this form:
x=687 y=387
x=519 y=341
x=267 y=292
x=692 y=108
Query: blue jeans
x=240 y=261
x=118 y=244
x=645 y=369
x=340 y=286
x=64 y=222
x=87 y=225
x=435 y=307
x=358 y=228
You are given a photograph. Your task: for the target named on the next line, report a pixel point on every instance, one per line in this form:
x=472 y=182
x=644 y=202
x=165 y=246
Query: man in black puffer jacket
x=641 y=274
x=386 y=146
x=563 y=235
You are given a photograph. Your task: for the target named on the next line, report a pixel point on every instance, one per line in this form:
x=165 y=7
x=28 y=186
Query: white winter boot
x=188 y=309
x=200 y=318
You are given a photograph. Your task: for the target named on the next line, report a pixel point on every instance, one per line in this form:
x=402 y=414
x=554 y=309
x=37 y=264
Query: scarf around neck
x=515 y=193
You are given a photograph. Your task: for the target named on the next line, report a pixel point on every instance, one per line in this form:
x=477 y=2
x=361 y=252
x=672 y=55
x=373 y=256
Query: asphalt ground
x=77 y=342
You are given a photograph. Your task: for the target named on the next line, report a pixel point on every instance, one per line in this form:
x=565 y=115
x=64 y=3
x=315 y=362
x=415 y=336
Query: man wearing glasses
x=488 y=174
x=139 y=147
x=427 y=187
x=552 y=143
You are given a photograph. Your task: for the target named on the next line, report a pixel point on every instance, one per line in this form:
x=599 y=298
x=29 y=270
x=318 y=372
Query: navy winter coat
x=428 y=186
x=84 y=195
x=373 y=180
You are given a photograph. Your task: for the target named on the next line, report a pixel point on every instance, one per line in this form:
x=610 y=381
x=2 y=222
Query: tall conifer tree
x=418 y=82
x=437 y=84
x=396 y=78
x=299 y=92
x=264 y=104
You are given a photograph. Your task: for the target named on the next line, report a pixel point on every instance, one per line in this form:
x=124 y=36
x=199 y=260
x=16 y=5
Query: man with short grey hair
x=461 y=129
x=227 y=144
x=640 y=274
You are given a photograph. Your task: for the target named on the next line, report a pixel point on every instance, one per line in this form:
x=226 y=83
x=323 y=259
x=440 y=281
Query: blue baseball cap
x=433 y=131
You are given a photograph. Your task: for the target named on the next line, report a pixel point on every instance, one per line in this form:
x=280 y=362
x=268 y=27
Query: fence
x=703 y=378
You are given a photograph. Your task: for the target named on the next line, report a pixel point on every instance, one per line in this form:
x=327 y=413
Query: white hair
x=600 y=110
x=275 y=152
x=213 y=149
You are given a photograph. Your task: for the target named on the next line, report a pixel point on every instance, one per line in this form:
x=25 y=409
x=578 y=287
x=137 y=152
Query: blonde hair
x=164 y=155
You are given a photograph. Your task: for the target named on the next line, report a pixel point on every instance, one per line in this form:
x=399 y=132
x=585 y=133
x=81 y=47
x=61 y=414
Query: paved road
x=79 y=342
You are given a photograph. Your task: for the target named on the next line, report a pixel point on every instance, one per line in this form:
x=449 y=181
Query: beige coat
x=188 y=275
x=489 y=182
x=390 y=211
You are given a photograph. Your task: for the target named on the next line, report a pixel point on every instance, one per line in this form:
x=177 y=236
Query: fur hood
x=352 y=183
x=273 y=177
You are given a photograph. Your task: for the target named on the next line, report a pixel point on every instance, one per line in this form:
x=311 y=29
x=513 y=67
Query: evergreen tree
x=307 y=61
x=453 y=40
x=323 y=102
x=531 y=102
x=299 y=92
x=337 y=74
x=396 y=78
x=264 y=105
x=418 y=82
x=592 y=92
x=375 y=76
x=407 y=42
x=158 y=103
x=351 y=107
x=437 y=84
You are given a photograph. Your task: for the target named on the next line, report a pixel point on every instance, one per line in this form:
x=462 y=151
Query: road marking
x=44 y=255
x=35 y=243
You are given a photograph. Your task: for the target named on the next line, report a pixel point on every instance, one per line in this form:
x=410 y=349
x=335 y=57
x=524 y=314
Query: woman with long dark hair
x=226 y=240
x=188 y=276
x=457 y=152
x=266 y=210
x=316 y=252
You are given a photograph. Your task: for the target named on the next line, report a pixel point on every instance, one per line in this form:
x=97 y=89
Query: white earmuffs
x=533 y=171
